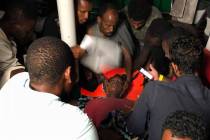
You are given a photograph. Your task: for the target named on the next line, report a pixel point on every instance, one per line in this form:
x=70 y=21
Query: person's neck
x=45 y=88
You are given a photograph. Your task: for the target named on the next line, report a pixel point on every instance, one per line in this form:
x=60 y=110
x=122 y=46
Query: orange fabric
x=133 y=93
x=99 y=92
x=136 y=87
x=113 y=72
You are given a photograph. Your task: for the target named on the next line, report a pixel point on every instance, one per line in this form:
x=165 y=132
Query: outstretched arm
x=127 y=63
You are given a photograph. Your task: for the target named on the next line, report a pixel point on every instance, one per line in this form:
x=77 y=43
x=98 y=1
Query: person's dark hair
x=156 y=31
x=104 y=7
x=185 y=124
x=17 y=10
x=159 y=61
x=139 y=9
x=47 y=59
x=159 y=27
x=153 y=40
x=173 y=34
x=186 y=52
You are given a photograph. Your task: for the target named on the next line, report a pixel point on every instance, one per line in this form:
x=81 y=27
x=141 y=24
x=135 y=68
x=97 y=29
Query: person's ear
x=99 y=19
x=175 y=69
x=105 y=84
x=165 y=47
x=67 y=74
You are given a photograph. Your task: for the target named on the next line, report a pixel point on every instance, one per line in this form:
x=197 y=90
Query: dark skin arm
x=142 y=59
x=127 y=63
x=77 y=51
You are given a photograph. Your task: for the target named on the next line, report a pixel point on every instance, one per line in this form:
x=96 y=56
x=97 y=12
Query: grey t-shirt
x=121 y=35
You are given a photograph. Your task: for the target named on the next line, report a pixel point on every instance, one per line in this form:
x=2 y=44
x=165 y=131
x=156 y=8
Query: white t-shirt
x=26 y=114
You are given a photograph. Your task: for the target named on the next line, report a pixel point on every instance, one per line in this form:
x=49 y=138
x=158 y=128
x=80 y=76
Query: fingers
x=153 y=72
x=151 y=67
x=77 y=52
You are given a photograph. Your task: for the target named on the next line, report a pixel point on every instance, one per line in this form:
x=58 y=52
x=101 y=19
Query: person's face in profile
x=24 y=32
x=167 y=135
x=83 y=10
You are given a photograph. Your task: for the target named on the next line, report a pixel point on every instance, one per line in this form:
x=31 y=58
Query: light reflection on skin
x=108 y=22
x=136 y=24
x=83 y=10
x=167 y=135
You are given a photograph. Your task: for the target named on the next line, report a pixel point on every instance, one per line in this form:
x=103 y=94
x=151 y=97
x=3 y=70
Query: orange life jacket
x=133 y=93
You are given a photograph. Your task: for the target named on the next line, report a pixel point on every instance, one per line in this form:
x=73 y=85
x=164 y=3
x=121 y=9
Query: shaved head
x=108 y=19
x=47 y=59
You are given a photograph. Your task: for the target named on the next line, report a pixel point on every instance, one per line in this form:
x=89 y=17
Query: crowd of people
x=43 y=96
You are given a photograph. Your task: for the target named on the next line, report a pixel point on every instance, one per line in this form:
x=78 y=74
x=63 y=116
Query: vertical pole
x=67 y=26
x=67 y=21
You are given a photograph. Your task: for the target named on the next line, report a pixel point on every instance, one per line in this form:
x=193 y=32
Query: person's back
x=28 y=114
x=30 y=103
x=185 y=93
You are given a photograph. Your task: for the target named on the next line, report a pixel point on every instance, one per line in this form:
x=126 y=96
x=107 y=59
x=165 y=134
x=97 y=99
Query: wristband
x=160 y=77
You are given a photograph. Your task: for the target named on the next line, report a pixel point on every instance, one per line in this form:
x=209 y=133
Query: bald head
x=108 y=19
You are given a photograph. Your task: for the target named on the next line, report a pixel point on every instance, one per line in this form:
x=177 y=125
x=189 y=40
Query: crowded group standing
x=157 y=90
